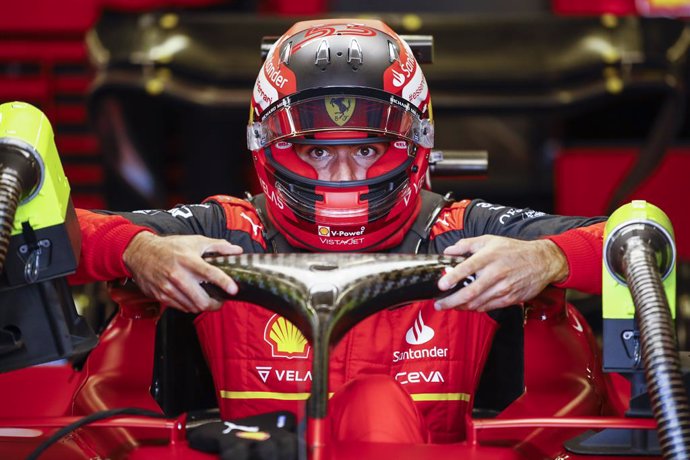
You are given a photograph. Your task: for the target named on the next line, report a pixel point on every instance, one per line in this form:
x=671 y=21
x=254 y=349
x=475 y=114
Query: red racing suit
x=260 y=362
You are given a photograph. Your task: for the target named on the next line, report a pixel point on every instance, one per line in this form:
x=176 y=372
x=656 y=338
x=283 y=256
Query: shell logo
x=324 y=231
x=285 y=339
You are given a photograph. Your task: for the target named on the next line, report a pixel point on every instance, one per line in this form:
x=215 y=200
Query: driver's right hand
x=171 y=268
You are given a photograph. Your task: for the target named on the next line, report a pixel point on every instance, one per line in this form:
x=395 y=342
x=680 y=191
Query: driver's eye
x=366 y=151
x=318 y=153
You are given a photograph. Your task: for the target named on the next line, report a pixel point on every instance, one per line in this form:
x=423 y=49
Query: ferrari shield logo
x=340 y=109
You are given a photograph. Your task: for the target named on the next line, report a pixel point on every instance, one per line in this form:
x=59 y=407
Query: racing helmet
x=341 y=82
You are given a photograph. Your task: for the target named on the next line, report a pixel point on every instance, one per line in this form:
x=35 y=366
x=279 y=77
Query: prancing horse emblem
x=340 y=109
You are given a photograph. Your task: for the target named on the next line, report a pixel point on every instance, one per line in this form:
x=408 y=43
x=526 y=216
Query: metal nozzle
x=458 y=162
x=638 y=233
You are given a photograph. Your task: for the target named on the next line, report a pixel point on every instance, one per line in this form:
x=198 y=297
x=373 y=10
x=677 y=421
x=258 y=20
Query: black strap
x=274 y=239
x=416 y=240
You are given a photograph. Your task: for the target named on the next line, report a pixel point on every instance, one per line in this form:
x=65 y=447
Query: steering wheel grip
x=353 y=285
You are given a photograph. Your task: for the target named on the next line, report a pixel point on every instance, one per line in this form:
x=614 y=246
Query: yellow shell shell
x=286 y=336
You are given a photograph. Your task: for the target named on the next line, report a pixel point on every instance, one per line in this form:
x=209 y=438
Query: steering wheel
x=325 y=295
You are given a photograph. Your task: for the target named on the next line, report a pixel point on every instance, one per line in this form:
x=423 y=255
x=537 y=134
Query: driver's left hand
x=507 y=271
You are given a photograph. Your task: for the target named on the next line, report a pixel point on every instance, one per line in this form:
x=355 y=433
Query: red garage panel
x=586 y=179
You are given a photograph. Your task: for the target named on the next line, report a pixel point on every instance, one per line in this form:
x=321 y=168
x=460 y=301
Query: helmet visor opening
x=351 y=113
x=301 y=163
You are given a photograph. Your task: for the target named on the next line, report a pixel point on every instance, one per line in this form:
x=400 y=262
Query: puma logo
x=231 y=426
x=444 y=219
x=256 y=228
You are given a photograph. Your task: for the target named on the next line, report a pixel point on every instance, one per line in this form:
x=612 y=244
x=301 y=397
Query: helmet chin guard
x=333 y=83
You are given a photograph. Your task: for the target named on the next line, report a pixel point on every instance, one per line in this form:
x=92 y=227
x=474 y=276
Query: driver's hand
x=170 y=268
x=507 y=271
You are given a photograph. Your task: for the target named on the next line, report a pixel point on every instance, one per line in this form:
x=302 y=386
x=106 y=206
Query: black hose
x=20 y=177
x=10 y=195
x=95 y=417
x=659 y=349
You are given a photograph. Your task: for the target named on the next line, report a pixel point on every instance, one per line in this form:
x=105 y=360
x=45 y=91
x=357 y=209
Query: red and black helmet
x=335 y=82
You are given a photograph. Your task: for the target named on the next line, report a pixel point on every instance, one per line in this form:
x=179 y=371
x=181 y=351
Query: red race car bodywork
x=566 y=393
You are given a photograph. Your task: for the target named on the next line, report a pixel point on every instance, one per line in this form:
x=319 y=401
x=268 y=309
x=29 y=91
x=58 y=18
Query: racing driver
x=340 y=131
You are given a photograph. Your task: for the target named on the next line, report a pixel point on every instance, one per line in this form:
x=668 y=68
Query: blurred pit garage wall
x=44 y=61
